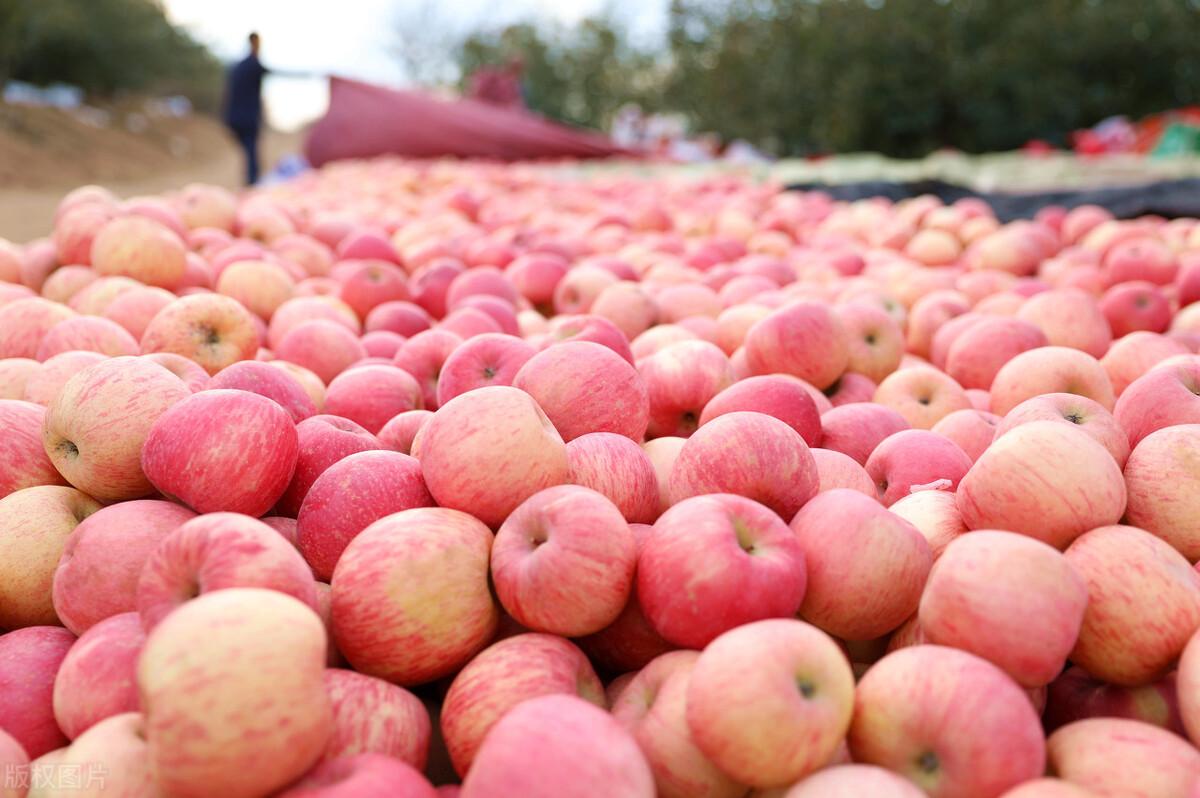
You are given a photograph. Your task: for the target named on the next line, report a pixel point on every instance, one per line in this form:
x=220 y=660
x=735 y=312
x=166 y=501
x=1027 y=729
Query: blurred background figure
x=499 y=85
x=243 y=105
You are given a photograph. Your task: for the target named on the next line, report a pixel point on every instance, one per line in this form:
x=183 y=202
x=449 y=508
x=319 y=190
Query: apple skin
x=1048 y=788
x=35 y=524
x=836 y=470
x=804 y=339
x=716 y=562
x=87 y=334
x=1162 y=476
x=856 y=429
x=854 y=781
x=928 y=314
x=259 y=676
x=222 y=451
x=1075 y=695
x=681 y=379
x=1188 y=688
x=874 y=340
x=97 y=448
x=913 y=459
x=947 y=741
x=776 y=395
x=559 y=746
x=322 y=441
x=1119 y=757
x=273 y=383
x=97 y=575
x=1069 y=317
x=15 y=762
x=922 y=395
x=935 y=515
x=866 y=566
x=411 y=601
x=973 y=430
x=1143 y=605
x=372 y=395
x=504 y=675
x=488 y=359
x=324 y=347
x=401 y=430
x=349 y=496
x=111 y=758
x=137 y=247
x=212 y=330
x=193 y=376
x=23 y=460
x=1067 y=408
x=97 y=679
x=371 y=716
x=301 y=309
x=488 y=450
x=979 y=351
x=1135 y=354
x=1050 y=369
x=25 y=322
x=563 y=562
x=748 y=454
x=585 y=387
x=1166 y=395
x=619 y=469
x=43 y=386
x=424 y=355
x=218 y=551
x=15 y=373
x=361 y=776
x=1139 y=305
x=29 y=662
x=628 y=306
x=1046 y=480
x=1012 y=600
x=746 y=719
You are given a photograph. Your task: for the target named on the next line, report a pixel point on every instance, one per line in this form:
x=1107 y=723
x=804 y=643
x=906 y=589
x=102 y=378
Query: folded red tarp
x=365 y=120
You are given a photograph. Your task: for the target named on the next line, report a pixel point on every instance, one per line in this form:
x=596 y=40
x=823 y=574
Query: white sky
x=353 y=38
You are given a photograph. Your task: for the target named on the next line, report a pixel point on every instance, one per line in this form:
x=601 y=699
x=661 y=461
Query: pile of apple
x=600 y=486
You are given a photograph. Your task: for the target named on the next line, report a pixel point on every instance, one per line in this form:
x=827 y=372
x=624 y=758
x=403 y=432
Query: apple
x=928 y=314
x=275 y=384
x=973 y=430
x=1048 y=788
x=29 y=663
x=680 y=380
x=193 y=376
x=628 y=306
x=874 y=340
x=86 y=333
x=367 y=283
x=25 y=322
x=776 y=395
x=858 y=428
x=298 y=310
x=213 y=330
x=371 y=716
x=423 y=356
x=361 y=776
x=715 y=562
x=1044 y=479
x=1067 y=408
x=324 y=347
x=504 y=675
x=915 y=459
x=578 y=289
x=372 y=395
x=138 y=247
x=488 y=450
x=108 y=759
x=853 y=781
x=1133 y=642
x=1050 y=369
x=836 y=470
x=1136 y=353
x=14 y=762
x=322 y=440
x=259 y=676
x=15 y=373
x=23 y=460
x=401 y=430
x=94 y=298
x=935 y=515
x=1161 y=476
x=43 y=386
x=1140 y=258
x=620 y=470
x=588 y=327
x=657 y=338
x=1166 y=395
x=1071 y=318
x=922 y=395
x=1134 y=306
x=97 y=678
x=866 y=566
x=1114 y=756
x=947 y=720
x=1075 y=695
x=222 y=451
x=488 y=359
x=64 y=282
x=980 y=351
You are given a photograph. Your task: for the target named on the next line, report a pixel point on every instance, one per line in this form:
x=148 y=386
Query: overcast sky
x=355 y=38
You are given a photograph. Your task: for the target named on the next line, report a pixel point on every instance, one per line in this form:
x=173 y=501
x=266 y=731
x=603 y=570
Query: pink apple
x=25 y=322
x=804 y=339
x=913 y=460
x=15 y=373
x=192 y=374
x=259 y=285
x=368 y=283
x=973 y=430
x=361 y=776
x=1114 y=756
x=922 y=395
x=371 y=716
x=87 y=333
x=1079 y=411
x=297 y=311
x=874 y=340
x=681 y=379
x=1140 y=258
x=1129 y=307
x=213 y=330
x=928 y=314
x=837 y=470
x=398 y=434
x=43 y=386
x=489 y=359
x=981 y=350
x=578 y=289
x=851 y=388
x=1162 y=477
x=620 y=470
x=324 y=347
x=372 y=395
x=97 y=677
x=856 y=429
x=1071 y=318
x=382 y=343
x=23 y=460
x=29 y=662
x=778 y=395
x=935 y=515
x=1050 y=369
x=1135 y=354
x=629 y=307
x=423 y=356
x=273 y=383
x=852 y=781
x=1164 y=396
x=322 y=440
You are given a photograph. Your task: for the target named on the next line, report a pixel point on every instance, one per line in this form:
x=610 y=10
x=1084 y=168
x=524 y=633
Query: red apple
x=371 y=716
x=29 y=662
x=96 y=679
x=213 y=330
x=322 y=440
x=776 y=395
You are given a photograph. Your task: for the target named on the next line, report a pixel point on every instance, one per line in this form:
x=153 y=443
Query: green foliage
x=105 y=47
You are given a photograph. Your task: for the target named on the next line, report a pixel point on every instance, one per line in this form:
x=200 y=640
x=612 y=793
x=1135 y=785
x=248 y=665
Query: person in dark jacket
x=243 y=106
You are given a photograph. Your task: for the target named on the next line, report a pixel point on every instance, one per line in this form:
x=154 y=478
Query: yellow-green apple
x=716 y=562
x=857 y=429
x=1044 y=479
x=1143 y=605
x=400 y=431
x=488 y=359
x=15 y=373
x=973 y=430
x=277 y=385
x=1127 y=758
x=372 y=395
x=210 y=329
x=1068 y=408
x=979 y=352
x=137 y=247
x=222 y=451
x=24 y=322
x=935 y=515
x=411 y=601
x=586 y=387
x=324 y=347
x=423 y=356
x=1136 y=353
x=804 y=339
x=680 y=380
x=915 y=459
x=349 y=496
x=29 y=662
x=1162 y=477
x=488 y=450
x=247 y=712
x=1134 y=306
x=1166 y=395
x=947 y=741
x=214 y=552
x=618 y=468
x=301 y=309
x=866 y=566
x=922 y=395
x=653 y=708
x=1050 y=369
x=1069 y=317
x=928 y=314
x=34 y=526
x=1008 y=598
x=46 y=382
x=98 y=572
x=192 y=374
x=837 y=470
x=371 y=716
x=786 y=398
x=23 y=460
x=87 y=334
x=628 y=306
x=757 y=689
x=322 y=440
x=504 y=675
x=361 y=776
x=854 y=781
x=559 y=746
x=97 y=679
x=563 y=561
x=1048 y=788
x=874 y=341
x=1075 y=695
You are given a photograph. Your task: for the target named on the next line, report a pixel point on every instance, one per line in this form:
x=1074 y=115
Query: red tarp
x=365 y=120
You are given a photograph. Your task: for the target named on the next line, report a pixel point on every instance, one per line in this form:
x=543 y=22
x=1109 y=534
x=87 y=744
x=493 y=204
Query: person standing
x=243 y=106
